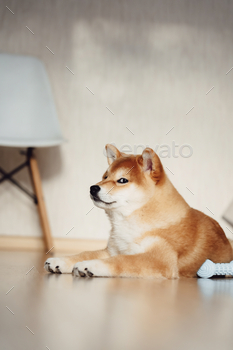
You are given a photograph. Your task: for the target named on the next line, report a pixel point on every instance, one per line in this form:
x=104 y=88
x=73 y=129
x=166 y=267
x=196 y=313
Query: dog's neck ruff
x=128 y=228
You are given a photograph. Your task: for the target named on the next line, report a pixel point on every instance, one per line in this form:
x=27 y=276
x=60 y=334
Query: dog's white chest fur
x=124 y=235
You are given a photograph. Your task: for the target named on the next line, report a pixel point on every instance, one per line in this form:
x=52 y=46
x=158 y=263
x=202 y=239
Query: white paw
x=58 y=265
x=91 y=268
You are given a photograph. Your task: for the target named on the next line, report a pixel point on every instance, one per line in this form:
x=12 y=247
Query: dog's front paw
x=58 y=265
x=91 y=268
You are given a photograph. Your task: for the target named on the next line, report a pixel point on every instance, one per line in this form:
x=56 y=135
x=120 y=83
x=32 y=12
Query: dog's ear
x=112 y=153
x=151 y=163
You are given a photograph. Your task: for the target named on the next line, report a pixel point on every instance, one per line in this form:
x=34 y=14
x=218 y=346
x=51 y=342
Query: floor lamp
x=28 y=119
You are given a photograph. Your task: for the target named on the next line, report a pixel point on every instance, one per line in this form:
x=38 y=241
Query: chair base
x=37 y=196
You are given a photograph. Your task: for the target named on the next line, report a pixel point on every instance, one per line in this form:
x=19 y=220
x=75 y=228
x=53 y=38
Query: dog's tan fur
x=154 y=231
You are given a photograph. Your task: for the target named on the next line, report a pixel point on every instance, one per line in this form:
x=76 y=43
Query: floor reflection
x=215 y=286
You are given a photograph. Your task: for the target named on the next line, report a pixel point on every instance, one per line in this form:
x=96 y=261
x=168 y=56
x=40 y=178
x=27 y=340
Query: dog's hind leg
x=66 y=264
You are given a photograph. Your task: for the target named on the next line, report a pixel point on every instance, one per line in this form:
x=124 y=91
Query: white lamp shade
x=28 y=116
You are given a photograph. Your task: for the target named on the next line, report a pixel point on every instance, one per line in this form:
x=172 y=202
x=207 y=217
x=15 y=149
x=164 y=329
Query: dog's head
x=129 y=182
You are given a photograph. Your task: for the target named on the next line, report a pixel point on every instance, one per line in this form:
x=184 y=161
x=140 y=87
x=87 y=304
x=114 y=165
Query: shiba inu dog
x=155 y=233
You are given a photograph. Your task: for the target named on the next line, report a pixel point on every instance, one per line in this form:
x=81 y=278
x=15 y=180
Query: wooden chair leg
x=35 y=175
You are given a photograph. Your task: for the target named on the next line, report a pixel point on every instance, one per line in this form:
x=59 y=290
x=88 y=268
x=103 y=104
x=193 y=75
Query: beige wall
x=149 y=62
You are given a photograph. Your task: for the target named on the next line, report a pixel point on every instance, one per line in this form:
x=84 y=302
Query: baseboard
x=60 y=244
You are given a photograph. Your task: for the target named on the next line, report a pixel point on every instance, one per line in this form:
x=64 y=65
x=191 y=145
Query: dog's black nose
x=94 y=190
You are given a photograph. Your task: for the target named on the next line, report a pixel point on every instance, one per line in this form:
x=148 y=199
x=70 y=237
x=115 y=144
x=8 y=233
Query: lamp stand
x=37 y=197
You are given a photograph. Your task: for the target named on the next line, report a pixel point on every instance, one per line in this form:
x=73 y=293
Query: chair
x=28 y=119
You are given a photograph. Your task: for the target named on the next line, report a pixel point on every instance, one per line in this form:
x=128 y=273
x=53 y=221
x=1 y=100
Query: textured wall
x=150 y=62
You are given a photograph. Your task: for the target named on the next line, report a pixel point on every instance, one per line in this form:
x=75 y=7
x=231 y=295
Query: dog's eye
x=122 y=180
x=105 y=177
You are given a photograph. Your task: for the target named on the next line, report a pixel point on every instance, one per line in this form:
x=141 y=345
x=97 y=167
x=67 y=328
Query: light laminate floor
x=64 y=312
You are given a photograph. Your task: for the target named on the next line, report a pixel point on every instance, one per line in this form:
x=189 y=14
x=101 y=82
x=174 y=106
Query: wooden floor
x=64 y=312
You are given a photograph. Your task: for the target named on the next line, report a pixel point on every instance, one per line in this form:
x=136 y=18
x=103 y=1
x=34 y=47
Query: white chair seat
x=28 y=116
